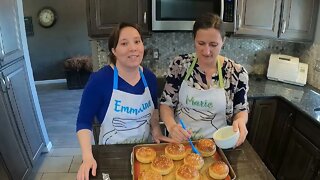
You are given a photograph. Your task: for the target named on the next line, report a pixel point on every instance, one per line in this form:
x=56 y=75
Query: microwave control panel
x=228 y=14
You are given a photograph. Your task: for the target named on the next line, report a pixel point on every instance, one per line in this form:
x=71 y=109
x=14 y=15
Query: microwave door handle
x=222 y=9
x=239 y=20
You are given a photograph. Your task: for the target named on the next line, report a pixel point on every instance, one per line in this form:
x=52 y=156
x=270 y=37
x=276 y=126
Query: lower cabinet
x=4 y=175
x=20 y=138
x=279 y=136
x=11 y=145
x=285 y=139
x=301 y=158
x=262 y=118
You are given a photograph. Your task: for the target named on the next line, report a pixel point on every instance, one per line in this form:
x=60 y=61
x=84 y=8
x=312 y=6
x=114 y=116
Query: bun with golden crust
x=175 y=151
x=219 y=170
x=149 y=174
x=187 y=172
x=146 y=154
x=206 y=147
x=162 y=165
x=194 y=160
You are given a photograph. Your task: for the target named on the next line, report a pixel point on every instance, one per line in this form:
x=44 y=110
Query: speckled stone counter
x=304 y=98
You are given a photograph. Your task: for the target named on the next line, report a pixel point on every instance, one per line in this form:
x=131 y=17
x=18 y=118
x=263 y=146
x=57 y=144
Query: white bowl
x=225 y=137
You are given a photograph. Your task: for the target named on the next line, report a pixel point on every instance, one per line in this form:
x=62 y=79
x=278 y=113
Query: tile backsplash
x=312 y=57
x=253 y=54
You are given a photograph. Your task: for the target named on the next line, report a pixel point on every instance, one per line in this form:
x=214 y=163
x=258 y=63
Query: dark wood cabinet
x=285 y=138
x=10 y=40
x=262 y=121
x=301 y=158
x=251 y=107
x=279 y=136
x=103 y=15
x=283 y=19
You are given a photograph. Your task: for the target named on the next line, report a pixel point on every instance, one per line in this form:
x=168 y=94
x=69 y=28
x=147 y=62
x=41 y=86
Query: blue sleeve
x=153 y=85
x=97 y=91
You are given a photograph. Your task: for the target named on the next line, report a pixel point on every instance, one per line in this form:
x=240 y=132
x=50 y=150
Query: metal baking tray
x=137 y=167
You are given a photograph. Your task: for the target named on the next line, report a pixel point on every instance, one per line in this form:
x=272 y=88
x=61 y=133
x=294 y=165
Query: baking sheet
x=137 y=167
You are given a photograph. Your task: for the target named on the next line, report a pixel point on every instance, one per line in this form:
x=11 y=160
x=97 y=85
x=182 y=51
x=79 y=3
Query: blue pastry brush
x=190 y=142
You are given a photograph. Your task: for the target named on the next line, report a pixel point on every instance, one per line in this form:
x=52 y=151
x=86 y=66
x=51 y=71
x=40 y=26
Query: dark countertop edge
x=307 y=88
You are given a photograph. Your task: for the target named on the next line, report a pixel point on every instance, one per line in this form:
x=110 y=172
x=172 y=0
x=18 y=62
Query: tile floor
x=59 y=108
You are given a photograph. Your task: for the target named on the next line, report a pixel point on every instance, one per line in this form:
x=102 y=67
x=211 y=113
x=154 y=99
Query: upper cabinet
x=10 y=40
x=103 y=15
x=283 y=19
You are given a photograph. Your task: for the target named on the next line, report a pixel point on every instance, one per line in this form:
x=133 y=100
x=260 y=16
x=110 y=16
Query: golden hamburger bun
x=146 y=154
x=187 y=172
x=194 y=160
x=175 y=151
x=218 y=170
x=206 y=147
x=162 y=165
x=148 y=175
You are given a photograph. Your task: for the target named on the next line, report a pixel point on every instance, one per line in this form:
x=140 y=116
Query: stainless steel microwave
x=179 y=15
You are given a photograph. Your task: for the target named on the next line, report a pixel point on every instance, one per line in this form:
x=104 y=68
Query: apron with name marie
x=203 y=111
x=127 y=119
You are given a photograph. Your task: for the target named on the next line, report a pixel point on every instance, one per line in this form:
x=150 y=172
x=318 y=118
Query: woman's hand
x=239 y=124
x=87 y=164
x=157 y=136
x=178 y=134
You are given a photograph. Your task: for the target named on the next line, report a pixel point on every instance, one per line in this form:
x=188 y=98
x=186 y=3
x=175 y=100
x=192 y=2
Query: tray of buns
x=167 y=161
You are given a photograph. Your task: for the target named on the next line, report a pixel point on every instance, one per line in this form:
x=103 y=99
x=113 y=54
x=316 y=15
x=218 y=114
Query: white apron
x=127 y=119
x=203 y=111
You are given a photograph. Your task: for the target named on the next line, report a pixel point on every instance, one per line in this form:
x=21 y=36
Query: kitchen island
x=115 y=160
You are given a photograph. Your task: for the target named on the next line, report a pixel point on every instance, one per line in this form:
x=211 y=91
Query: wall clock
x=47 y=17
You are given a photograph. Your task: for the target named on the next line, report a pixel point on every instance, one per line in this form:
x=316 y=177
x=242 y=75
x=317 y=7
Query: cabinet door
x=3 y=170
x=249 y=124
x=262 y=122
x=301 y=158
x=18 y=91
x=299 y=19
x=11 y=146
x=103 y=15
x=258 y=17
x=10 y=41
x=279 y=136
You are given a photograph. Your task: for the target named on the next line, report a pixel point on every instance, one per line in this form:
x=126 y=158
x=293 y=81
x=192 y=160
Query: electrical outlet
x=155 y=53
x=317 y=66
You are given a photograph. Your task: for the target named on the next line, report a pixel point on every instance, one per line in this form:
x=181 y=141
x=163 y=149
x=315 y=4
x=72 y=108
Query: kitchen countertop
x=304 y=98
x=115 y=160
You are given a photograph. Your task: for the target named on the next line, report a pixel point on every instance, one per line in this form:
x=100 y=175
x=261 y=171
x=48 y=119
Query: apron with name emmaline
x=127 y=119
x=203 y=111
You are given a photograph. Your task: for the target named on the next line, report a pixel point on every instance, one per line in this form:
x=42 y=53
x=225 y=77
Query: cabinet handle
x=1 y=47
x=3 y=85
x=7 y=82
x=145 y=17
x=284 y=24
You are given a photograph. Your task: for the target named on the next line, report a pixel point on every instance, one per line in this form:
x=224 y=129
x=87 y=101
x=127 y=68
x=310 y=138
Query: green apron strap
x=221 y=82
x=191 y=67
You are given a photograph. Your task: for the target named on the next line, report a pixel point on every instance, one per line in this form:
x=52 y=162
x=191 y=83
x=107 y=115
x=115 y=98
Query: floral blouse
x=235 y=83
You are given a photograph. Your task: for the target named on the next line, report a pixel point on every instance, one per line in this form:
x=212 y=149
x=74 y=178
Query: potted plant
x=77 y=71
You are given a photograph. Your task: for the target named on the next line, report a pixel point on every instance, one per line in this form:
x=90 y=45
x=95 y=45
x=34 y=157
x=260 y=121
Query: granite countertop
x=306 y=98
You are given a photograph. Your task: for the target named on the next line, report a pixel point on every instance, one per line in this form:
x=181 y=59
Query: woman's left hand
x=239 y=124
x=158 y=137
